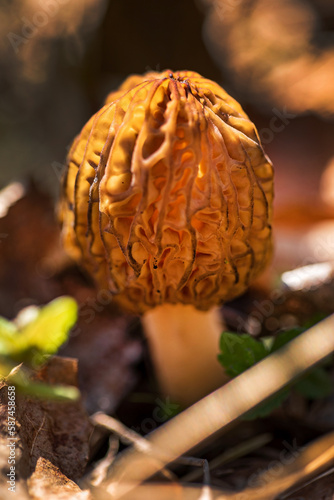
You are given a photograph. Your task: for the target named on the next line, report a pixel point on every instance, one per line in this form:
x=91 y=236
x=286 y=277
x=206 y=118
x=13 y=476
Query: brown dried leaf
x=57 y=432
x=47 y=481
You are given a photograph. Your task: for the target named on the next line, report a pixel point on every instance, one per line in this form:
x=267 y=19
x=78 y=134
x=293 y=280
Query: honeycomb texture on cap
x=168 y=194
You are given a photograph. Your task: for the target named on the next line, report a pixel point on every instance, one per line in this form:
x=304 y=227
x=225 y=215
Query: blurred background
x=60 y=58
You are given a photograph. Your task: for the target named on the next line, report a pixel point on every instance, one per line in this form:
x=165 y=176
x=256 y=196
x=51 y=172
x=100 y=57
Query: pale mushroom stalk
x=184 y=344
x=167 y=203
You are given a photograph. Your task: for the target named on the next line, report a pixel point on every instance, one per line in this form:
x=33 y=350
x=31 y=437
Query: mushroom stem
x=184 y=344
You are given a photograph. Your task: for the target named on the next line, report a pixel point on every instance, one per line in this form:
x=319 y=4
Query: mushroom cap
x=168 y=194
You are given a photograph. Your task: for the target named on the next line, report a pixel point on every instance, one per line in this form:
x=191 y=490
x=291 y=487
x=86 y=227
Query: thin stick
x=128 y=436
x=100 y=471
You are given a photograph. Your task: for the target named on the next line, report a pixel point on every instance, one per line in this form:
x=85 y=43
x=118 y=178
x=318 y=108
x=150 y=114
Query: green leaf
x=41 y=336
x=46 y=391
x=285 y=337
x=239 y=352
x=36 y=339
x=316 y=385
x=50 y=329
x=264 y=409
x=20 y=376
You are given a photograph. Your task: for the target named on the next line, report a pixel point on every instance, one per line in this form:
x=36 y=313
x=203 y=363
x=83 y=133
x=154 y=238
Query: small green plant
x=241 y=351
x=30 y=340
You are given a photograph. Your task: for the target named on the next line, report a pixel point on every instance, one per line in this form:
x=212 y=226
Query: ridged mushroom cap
x=168 y=194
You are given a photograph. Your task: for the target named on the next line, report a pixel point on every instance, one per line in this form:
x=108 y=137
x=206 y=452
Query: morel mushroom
x=167 y=202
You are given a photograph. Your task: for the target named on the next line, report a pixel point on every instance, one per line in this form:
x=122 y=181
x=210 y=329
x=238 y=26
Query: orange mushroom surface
x=168 y=194
x=167 y=200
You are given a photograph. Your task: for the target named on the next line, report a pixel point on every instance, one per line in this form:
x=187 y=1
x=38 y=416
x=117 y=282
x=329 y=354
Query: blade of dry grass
x=227 y=456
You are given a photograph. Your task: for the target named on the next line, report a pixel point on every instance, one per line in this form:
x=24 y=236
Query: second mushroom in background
x=167 y=202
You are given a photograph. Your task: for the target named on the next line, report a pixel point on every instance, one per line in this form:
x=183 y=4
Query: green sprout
x=238 y=352
x=28 y=342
